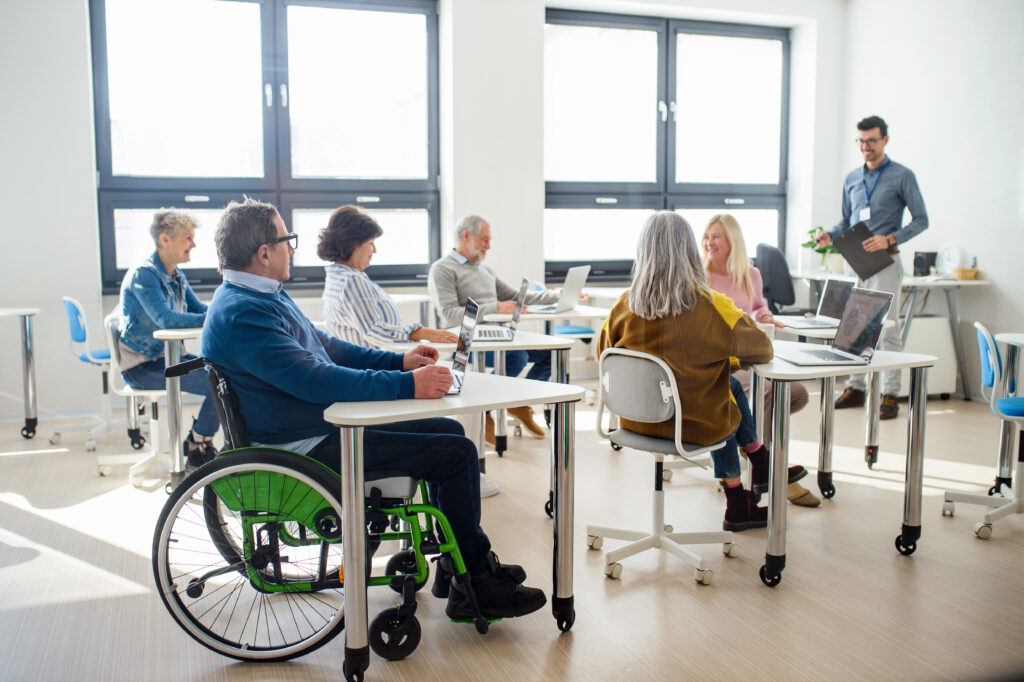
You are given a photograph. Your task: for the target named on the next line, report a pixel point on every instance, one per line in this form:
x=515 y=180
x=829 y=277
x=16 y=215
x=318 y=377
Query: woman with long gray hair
x=671 y=312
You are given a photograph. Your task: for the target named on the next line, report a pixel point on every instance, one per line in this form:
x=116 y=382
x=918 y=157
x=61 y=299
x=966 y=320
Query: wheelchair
x=247 y=552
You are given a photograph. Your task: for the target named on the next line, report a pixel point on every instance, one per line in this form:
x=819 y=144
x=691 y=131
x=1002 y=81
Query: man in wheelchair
x=284 y=372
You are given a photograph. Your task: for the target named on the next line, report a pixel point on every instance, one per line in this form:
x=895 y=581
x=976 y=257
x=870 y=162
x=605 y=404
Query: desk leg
x=906 y=542
x=872 y=414
x=1007 y=429
x=28 y=377
x=425 y=314
x=560 y=373
x=172 y=351
x=828 y=412
x=500 y=437
x=563 y=455
x=357 y=651
x=909 y=319
x=775 y=558
x=480 y=365
x=757 y=400
x=958 y=342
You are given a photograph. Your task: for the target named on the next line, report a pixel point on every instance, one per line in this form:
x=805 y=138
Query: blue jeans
x=515 y=360
x=438 y=452
x=727 y=458
x=150 y=375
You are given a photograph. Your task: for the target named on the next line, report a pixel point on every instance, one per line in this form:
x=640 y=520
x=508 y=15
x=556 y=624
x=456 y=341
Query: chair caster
x=138 y=443
x=705 y=577
x=549 y=508
x=518 y=430
x=55 y=440
x=771 y=580
x=729 y=549
x=393 y=635
x=828 y=492
x=616 y=447
x=595 y=542
x=103 y=470
x=668 y=528
x=948 y=508
x=983 y=530
x=905 y=548
x=90 y=445
x=666 y=475
x=613 y=571
x=27 y=432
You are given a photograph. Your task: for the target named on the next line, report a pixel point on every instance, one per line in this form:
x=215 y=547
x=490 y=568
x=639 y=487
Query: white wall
x=948 y=78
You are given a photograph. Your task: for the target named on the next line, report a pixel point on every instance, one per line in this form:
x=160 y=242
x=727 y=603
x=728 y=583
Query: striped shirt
x=360 y=312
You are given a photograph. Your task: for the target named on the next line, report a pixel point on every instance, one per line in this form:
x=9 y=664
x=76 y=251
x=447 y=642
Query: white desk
x=422 y=299
x=1007 y=430
x=782 y=374
x=913 y=286
x=173 y=340
x=28 y=366
x=482 y=392
x=580 y=312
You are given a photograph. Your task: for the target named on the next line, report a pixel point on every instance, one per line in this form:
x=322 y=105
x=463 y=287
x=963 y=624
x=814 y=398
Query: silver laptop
x=830 y=308
x=498 y=332
x=575 y=280
x=857 y=336
x=460 y=358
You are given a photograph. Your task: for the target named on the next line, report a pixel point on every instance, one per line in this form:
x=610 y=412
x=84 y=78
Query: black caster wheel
x=993 y=490
x=565 y=623
x=549 y=509
x=769 y=580
x=27 y=432
x=944 y=396
x=905 y=549
x=137 y=444
x=194 y=589
x=616 y=447
x=402 y=563
x=828 y=492
x=394 y=636
x=352 y=670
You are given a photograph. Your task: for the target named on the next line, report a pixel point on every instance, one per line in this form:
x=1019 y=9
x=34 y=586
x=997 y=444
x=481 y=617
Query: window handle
x=663 y=110
x=606 y=200
x=268 y=93
x=363 y=199
x=196 y=199
x=733 y=201
x=672 y=108
x=284 y=95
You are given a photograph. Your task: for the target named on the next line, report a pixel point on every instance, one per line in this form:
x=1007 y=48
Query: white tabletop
x=479 y=392
x=18 y=312
x=183 y=334
x=524 y=340
x=882 y=360
x=577 y=313
x=410 y=298
x=612 y=293
x=816 y=333
x=1010 y=338
x=908 y=282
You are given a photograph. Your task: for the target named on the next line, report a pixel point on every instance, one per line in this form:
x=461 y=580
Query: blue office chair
x=1009 y=408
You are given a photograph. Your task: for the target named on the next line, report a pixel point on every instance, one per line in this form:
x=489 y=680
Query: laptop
x=498 y=332
x=830 y=308
x=866 y=264
x=460 y=358
x=856 y=337
x=575 y=280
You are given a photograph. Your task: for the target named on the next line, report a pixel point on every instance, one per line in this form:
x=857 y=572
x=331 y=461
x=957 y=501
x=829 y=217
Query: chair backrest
x=637 y=386
x=778 y=284
x=991 y=368
x=79 y=331
x=226 y=404
x=110 y=324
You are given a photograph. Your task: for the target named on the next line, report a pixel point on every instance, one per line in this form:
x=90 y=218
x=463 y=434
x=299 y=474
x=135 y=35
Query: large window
x=643 y=114
x=308 y=104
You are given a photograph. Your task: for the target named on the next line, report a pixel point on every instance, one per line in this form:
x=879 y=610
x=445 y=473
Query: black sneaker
x=850 y=397
x=443 y=574
x=497 y=595
x=760 y=471
x=197 y=453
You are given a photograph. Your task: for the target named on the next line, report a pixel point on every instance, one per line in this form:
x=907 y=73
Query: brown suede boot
x=525 y=416
x=759 y=470
x=741 y=512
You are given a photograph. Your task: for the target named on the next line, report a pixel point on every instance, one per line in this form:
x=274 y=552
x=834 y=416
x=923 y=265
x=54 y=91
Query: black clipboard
x=865 y=264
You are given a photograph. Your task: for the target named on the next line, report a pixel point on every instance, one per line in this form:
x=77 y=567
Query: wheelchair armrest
x=183 y=368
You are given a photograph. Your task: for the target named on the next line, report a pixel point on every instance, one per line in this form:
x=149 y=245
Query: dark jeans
x=745 y=433
x=150 y=375
x=727 y=458
x=438 y=452
x=515 y=360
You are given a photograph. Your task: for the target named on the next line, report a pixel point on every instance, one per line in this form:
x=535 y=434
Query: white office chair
x=119 y=387
x=1010 y=409
x=641 y=387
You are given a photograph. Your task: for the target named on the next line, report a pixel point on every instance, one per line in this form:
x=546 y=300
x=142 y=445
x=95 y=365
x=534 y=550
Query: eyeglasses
x=292 y=238
x=870 y=142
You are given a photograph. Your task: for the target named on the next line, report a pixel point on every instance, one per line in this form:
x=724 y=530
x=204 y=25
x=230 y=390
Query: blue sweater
x=284 y=371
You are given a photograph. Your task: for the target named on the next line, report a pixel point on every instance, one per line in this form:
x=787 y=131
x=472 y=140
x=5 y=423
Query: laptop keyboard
x=827 y=355
x=491 y=334
x=818 y=323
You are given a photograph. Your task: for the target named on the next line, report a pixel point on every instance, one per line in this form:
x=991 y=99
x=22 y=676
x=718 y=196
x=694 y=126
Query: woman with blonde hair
x=671 y=312
x=729 y=272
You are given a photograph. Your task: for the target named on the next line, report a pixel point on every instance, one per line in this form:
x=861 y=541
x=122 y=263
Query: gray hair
x=668 y=275
x=473 y=224
x=242 y=230
x=170 y=223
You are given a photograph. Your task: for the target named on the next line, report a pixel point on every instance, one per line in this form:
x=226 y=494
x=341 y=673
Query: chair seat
x=665 y=446
x=97 y=354
x=573 y=330
x=394 y=487
x=1011 y=407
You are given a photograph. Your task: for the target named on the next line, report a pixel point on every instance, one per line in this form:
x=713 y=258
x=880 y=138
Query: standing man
x=876 y=194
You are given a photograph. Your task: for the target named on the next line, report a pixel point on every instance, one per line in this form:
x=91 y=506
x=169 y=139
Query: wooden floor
x=77 y=600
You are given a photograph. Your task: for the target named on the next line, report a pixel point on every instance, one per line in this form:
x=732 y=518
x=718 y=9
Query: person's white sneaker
x=488 y=486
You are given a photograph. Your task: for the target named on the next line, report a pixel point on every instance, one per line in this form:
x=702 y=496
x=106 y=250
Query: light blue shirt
x=359 y=311
x=887 y=190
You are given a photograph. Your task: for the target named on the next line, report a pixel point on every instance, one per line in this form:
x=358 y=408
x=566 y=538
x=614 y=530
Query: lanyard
x=864 y=179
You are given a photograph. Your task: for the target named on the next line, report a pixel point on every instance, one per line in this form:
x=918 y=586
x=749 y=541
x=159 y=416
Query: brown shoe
x=525 y=416
x=850 y=397
x=489 y=429
x=890 y=408
x=801 y=496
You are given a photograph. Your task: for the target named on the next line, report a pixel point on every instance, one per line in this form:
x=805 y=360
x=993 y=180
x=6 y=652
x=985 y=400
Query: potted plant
x=831 y=259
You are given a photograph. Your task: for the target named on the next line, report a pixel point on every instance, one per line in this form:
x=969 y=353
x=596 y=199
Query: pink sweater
x=756 y=307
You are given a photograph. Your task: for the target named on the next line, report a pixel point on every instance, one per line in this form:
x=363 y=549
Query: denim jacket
x=152 y=300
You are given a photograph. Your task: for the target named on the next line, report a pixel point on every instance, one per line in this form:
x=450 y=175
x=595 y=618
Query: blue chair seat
x=97 y=353
x=571 y=329
x=1012 y=407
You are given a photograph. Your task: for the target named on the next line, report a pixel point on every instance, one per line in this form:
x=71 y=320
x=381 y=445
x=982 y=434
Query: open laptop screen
x=833 y=299
x=520 y=302
x=461 y=356
x=862 y=322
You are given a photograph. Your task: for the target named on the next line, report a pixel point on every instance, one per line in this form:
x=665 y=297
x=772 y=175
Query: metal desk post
x=480 y=365
x=28 y=377
x=357 y=650
x=828 y=411
x=757 y=400
x=174 y=443
x=1007 y=429
x=563 y=449
x=873 y=407
x=906 y=541
x=775 y=557
x=958 y=342
x=500 y=437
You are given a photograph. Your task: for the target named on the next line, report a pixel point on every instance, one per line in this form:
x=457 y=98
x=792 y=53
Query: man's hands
x=823 y=239
x=508 y=307
x=877 y=243
x=433 y=335
x=420 y=356
x=431 y=381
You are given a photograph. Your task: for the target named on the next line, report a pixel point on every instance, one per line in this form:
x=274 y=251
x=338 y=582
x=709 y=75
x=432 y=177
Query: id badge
x=865 y=214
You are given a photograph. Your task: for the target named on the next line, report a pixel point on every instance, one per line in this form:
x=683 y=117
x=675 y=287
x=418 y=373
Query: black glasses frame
x=292 y=237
